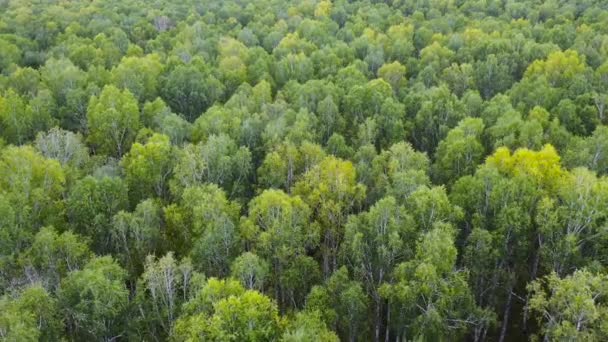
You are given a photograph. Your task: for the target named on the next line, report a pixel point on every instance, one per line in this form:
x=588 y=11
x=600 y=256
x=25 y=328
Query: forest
x=304 y=171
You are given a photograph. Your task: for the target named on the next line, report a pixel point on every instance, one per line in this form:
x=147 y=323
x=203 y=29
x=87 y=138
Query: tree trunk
x=377 y=321
x=533 y=274
x=485 y=333
x=505 y=319
x=388 y=322
x=326 y=267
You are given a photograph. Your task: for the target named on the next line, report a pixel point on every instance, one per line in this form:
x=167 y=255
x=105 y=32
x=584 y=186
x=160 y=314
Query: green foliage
x=17 y=325
x=331 y=191
x=435 y=299
x=18 y=120
x=341 y=303
x=303 y=170
x=439 y=111
x=32 y=316
x=113 y=121
x=148 y=168
x=218 y=161
x=224 y=310
x=308 y=327
x=93 y=300
x=139 y=75
x=92 y=203
x=64 y=146
x=10 y=54
x=394 y=74
x=251 y=270
x=52 y=256
x=589 y=151
x=571 y=308
x=397 y=171
x=33 y=185
x=133 y=236
x=189 y=91
x=461 y=151
x=279 y=226
x=558 y=68
x=211 y=234
x=164 y=286
x=66 y=83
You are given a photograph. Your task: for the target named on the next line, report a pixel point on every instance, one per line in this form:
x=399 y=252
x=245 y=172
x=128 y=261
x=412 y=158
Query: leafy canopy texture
x=310 y=171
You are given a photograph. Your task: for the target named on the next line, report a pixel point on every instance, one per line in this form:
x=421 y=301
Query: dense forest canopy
x=278 y=170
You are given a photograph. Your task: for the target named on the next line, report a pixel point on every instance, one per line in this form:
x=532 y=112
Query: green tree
x=190 y=90
x=296 y=67
x=113 y=121
x=64 y=146
x=569 y=222
x=35 y=300
x=331 y=190
x=308 y=327
x=158 y=116
x=393 y=74
x=286 y=163
x=93 y=300
x=25 y=81
x=13 y=238
x=460 y=152
x=559 y=67
x=17 y=324
x=329 y=117
x=133 y=236
x=219 y=160
x=374 y=243
x=139 y=75
x=233 y=72
x=342 y=304
x=11 y=54
x=589 y=151
x=366 y=100
x=459 y=78
x=251 y=270
x=91 y=204
x=397 y=172
x=212 y=237
x=492 y=76
x=18 y=121
x=431 y=299
x=31 y=316
x=67 y=83
x=149 y=167
x=52 y=256
x=438 y=112
x=571 y=308
x=33 y=185
x=503 y=231
x=164 y=286
x=282 y=234
x=224 y=310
